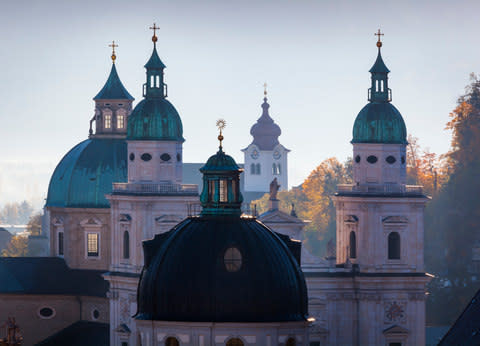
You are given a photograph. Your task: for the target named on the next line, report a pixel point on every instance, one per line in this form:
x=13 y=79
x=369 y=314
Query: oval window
x=165 y=157
x=132 y=156
x=357 y=159
x=403 y=160
x=390 y=159
x=146 y=157
x=95 y=314
x=46 y=312
x=372 y=159
x=232 y=259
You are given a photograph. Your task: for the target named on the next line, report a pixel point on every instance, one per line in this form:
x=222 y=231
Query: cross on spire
x=265 y=89
x=379 y=42
x=154 y=28
x=113 y=45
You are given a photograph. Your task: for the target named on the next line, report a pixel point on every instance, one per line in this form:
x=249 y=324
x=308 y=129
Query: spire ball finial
x=221 y=125
x=154 y=28
x=379 y=42
x=265 y=89
x=113 y=45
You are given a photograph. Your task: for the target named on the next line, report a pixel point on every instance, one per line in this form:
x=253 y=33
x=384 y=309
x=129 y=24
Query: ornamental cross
x=265 y=88
x=379 y=34
x=113 y=45
x=154 y=28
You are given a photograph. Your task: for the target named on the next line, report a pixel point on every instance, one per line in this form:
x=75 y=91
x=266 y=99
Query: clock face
x=254 y=154
x=276 y=155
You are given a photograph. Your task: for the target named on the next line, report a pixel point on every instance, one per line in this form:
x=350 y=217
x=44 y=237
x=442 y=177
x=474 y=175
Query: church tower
x=265 y=157
x=152 y=200
x=380 y=225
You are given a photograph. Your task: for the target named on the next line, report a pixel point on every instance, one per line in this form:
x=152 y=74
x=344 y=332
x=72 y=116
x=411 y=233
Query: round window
x=390 y=159
x=132 y=156
x=403 y=160
x=372 y=159
x=232 y=259
x=357 y=159
x=46 y=312
x=165 y=157
x=146 y=157
x=95 y=314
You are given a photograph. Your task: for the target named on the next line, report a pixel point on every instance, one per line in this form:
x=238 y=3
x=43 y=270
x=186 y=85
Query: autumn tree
x=34 y=226
x=17 y=247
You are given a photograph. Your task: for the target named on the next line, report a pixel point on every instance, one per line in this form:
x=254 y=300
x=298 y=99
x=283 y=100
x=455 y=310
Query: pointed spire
x=155 y=86
x=113 y=88
x=379 y=91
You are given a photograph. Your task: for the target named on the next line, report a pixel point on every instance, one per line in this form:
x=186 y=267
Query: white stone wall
x=266 y=159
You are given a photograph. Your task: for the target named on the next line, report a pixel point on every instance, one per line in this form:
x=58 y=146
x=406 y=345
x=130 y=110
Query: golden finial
x=221 y=125
x=265 y=89
x=113 y=45
x=154 y=28
x=379 y=42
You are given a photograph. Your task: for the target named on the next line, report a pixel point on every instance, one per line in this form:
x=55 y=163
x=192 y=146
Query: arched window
x=278 y=169
x=107 y=119
x=223 y=190
x=171 y=341
x=235 y=342
x=258 y=169
x=274 y=169
x=353 y=245
x=394 y=245
x=120 y=119
x=376 y=85
x=126 y=245
x=381 y=86
x=157 y=81
x=291 y=342
x=151 y=82
x=252 y=169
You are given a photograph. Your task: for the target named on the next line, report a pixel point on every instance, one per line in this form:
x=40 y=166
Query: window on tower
x=157 y=81
x=126 y=245
x=108 y=121
x=257 y=170
x=223 y=191
x=252 y=169
x=92 y=245
x=235 y=342
x=120 y=119
x=353 y=245
x=60 y=243
x=211 y=190
x=171 y=341
x=394 y=246
x=151 y=81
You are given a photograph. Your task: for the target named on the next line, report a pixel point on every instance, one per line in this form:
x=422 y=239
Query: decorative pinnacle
x=379 y=42
x=154 y=37
x=113 y=45
x=265 y=89
x=221 y=125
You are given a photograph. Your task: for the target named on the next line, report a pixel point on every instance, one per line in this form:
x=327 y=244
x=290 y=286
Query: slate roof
x=80 y=333
x=49 y=275
x=466 y=329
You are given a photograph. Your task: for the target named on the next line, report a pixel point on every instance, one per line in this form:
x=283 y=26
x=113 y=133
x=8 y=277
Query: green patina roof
x=379 y=122
x=220 y=162
x=154 y=63
x=155 y=119
x=379 y=66
x=86 y=173
x=113 y=88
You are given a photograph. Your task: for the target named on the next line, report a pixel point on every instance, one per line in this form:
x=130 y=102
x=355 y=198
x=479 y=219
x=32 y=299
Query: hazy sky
x=314 y=55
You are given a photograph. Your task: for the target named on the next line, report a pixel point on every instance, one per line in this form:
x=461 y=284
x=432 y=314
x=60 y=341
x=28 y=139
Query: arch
x=252 y=169
x=291 y=342
x=258 y=171
x=151 y=81
x=376 y=85
x=394 y=245
x=274 y=169
x=278 y=169
x=107 y=119
x=171 y=341
x=126 y=245
x=381 y=86
x=235 y=342
x=157 y=81
x=353 y=245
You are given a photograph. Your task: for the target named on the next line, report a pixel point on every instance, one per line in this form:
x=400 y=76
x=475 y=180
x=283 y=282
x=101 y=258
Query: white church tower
x=380 y=226
x=265 y=158
x=151 y=202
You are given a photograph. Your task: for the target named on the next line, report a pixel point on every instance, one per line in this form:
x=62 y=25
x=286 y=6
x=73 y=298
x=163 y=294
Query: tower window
x=157 y=81
x=132 y=156
x=211 y=190
x=146 y=157
x=60 y=243
x=235 y=342
x=126 y=245
x=381 y=86
x=353 y=245
x=252 y=169
x=376 y=85
x=92 y=244
x=171 y=341
x=394 y=245
x=165 y=157
x=151 y=82
x=232 y=259
x=108 y=121
x=120 y=121
x=257 y=169
x=223 y=191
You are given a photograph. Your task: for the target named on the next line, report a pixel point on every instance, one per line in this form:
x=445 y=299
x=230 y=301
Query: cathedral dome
x=265 y=132
x=379 y=122
x=86 y=173
x=155 y=119
x=221 y=269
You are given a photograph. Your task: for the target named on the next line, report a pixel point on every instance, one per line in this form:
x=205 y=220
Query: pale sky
x=314 y=55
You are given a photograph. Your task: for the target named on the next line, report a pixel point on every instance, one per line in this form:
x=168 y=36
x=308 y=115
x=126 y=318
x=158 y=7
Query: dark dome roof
x=220 y=162
x=86 y=173
x=379 y=122
x=185 y=279
x=155 y=119
x=265 y=132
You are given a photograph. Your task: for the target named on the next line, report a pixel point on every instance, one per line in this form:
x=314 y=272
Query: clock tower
x=265 y=157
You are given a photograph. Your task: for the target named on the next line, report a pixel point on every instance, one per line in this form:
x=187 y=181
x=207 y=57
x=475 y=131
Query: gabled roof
x=466 y=329
x=48 y=275
x=113 y=88
x=79 y=334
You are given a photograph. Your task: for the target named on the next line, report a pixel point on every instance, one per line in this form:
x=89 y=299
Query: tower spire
x=221 y=125
x=155 y=85
x=113 y=45
x=379 y=91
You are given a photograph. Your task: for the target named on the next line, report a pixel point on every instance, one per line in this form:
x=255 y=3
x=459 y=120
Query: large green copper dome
x=155 y=119
x=379 y=122
x=86 y=173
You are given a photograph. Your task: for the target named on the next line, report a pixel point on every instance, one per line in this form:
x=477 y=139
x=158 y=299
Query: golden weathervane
x=221 y=125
